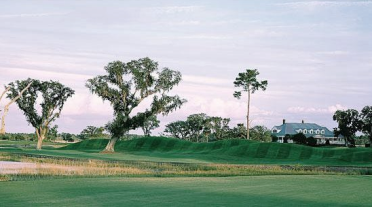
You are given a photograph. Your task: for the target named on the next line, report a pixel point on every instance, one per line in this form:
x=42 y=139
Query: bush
x=4 y=137
x=311 y=141
x=19 y=137
x=299 y=138
x=274 y=138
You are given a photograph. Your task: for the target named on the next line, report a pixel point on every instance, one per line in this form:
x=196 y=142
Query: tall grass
x=57 y=168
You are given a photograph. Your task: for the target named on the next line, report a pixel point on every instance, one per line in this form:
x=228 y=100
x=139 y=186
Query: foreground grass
x=57 y=167
x=224 y=191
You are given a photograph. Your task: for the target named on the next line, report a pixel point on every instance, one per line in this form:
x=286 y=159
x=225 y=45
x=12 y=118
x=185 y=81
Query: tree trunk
x=40 y=137
x=249 y=100
x=6 y=109
x=110 y=147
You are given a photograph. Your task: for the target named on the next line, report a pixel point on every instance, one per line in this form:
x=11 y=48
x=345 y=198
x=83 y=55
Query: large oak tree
x=54 y=96
x=127 y=85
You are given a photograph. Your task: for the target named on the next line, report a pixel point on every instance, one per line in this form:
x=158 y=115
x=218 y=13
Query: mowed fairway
x=222 y=191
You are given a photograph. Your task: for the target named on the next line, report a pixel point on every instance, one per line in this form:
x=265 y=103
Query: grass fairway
x=230 y=191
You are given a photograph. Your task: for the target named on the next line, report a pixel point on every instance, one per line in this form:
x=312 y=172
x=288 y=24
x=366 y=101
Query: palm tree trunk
x=249 y=100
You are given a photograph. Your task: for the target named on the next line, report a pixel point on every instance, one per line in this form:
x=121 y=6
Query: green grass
x=230 y=151
x=230 y=191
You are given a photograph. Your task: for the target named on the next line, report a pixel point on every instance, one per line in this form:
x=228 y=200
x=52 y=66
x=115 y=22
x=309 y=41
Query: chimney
x=283 y=121
x=303 y=121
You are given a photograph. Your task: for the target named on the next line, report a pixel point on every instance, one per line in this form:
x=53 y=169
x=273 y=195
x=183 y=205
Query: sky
x=315 y=55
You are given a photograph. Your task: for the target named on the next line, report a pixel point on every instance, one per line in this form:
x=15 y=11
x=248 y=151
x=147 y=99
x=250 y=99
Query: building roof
x=308 y=129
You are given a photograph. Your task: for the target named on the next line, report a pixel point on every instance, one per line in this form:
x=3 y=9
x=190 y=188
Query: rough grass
x=49 y=167
x=244 y=149
x=222 y=191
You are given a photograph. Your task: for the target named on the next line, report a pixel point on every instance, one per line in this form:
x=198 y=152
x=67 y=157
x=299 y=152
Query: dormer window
x=317 y=131
x=305 y=131
x=299 y=131
x=275 y=131
x=311 y=131
x=323 y=131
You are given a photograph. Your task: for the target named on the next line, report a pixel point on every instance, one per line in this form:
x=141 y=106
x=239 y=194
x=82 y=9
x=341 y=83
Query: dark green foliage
x=126 y=85
x=200 y=127
x=150 y=124
x=92 y=132
x=311 y=141
x=260 y=133
x=366 y=119
x=274 y=138
x=348 y=124
x=299 y=138
x=54 y=95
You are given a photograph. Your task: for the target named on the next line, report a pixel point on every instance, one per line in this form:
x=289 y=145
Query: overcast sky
x=316 y=55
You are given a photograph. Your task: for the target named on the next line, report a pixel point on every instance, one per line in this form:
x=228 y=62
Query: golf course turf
x=231 y=191
x=194 y=190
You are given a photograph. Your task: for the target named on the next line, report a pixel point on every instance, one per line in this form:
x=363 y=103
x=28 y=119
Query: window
x=299 y=131
x=311 y=131
x=275 y=131
x=305 y=131
x=317 y=131
x=323 y=131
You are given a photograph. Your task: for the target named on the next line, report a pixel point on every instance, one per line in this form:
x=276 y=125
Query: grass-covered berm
x=234 y=151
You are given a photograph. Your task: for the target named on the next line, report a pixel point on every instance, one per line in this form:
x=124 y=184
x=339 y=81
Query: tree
x=126 y=85
x=21 y=86
x=92 y=131
x=348 y=124
x=260 y=133
x=248 y=81
x=52 y=132
x=299 y=138
x=218 y=126
x=196 y=124
x=178 y=129
x=54 y=96
x=366 y=118
x=150 y=124
x=238 y=132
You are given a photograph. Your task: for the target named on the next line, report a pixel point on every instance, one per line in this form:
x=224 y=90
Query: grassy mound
x=233 y=147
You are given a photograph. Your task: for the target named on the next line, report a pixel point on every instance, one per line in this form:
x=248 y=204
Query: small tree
x=178 y=129
x=150 y=124
x=54 y=96
x=127 y=85
x=260 y=133
x=21 y=87
x=248 y=81
x=366 y=118
x=348 y=124
x=92 y=131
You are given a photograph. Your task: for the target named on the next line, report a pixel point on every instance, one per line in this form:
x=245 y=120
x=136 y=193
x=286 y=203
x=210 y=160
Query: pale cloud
x=173 y=9
x=206 y=36
x=32 y=15
x=312 y=110
x=309 y=5
x=334 y=53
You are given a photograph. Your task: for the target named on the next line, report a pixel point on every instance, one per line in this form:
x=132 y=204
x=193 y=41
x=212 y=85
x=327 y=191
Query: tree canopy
x=127 y=85
x=54 y=95
x=348 y=124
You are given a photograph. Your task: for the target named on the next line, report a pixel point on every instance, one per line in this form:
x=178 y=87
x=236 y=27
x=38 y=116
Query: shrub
x=299 y=138
x=311 y=141
x=4 y=137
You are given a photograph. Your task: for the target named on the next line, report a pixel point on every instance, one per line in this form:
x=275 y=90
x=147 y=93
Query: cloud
x=173 y=9
x=32 y=15
x=312 y=110
x=312 y=5
x=334 y=53
x=206 y=36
